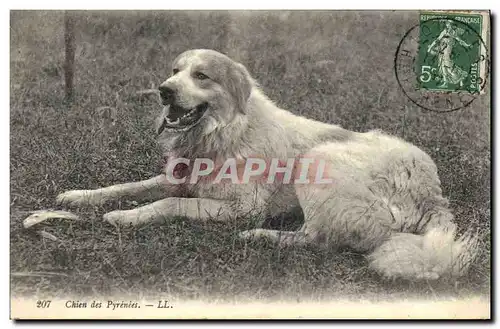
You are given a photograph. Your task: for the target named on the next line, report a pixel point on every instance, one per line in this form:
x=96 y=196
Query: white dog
x=383 y=196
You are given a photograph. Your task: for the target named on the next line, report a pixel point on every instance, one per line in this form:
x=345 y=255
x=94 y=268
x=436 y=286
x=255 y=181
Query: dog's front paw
x=121 y=218
x=78 y=198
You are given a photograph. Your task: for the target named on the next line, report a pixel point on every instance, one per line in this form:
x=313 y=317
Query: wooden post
x=69 y=44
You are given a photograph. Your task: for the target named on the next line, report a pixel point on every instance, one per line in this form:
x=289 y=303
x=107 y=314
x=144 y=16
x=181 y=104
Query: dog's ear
x=240 y=86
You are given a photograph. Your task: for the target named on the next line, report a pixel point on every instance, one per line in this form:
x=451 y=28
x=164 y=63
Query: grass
x=332 y=66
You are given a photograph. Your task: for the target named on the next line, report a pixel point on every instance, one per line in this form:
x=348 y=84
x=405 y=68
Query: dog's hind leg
x=284 y=238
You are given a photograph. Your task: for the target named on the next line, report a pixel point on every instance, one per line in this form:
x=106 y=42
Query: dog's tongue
x=175 y=112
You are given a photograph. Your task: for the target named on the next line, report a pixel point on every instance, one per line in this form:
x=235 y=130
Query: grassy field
x=336 y=67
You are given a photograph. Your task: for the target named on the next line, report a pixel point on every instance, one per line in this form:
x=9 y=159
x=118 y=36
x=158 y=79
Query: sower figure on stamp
x=448 y=70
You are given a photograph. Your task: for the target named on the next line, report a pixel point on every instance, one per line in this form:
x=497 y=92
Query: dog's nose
x=167 y=94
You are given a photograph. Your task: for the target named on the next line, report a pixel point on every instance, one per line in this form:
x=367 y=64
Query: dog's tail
x=434 y=255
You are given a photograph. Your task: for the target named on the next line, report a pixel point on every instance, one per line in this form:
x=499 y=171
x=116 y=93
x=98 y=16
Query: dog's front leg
x=192 y=208
x=154 y=188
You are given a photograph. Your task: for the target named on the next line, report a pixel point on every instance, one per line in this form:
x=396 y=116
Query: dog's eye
x=175 y=71
x=200 y=76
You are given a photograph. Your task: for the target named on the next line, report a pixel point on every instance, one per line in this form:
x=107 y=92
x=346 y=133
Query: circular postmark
x=441 y=64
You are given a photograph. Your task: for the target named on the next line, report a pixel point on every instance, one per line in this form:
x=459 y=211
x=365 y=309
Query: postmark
x=442 y=63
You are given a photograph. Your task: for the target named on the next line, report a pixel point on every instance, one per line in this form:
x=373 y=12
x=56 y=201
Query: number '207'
x=43 y=303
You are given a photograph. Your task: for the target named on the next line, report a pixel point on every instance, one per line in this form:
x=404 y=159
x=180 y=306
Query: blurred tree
x=69 y=44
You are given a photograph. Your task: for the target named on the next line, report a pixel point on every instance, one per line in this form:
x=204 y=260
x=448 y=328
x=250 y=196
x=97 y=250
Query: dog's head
x=206 y=90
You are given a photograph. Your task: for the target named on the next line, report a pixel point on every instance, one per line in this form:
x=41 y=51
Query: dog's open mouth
x=180 y=118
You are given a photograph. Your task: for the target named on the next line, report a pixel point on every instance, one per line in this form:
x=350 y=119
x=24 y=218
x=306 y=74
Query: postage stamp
x=450 y=53
x=442 y=63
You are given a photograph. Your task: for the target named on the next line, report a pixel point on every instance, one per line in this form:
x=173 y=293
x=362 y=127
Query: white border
x=254 y=4
x=213 y=4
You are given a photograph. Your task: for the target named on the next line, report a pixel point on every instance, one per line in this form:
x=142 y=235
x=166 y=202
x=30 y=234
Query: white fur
x=385 y=199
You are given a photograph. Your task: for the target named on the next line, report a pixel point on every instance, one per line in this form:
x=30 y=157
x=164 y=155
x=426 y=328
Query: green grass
x=337 y=67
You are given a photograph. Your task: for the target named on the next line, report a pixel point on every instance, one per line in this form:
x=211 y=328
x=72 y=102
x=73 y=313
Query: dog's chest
x=226 y=179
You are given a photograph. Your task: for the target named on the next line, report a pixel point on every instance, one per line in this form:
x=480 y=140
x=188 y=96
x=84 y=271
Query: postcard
x=250 y=164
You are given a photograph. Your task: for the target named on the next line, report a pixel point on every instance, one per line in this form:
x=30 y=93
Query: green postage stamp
x=452 y=51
